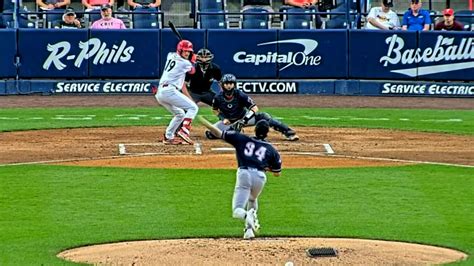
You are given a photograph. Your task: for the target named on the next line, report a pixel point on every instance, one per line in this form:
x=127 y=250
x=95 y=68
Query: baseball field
x=381 y=180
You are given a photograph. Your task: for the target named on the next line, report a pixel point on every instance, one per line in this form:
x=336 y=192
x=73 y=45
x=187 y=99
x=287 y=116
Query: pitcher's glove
x=237 y=125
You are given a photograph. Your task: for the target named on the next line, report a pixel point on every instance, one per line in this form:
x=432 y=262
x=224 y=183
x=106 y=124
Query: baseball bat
x=173 y=28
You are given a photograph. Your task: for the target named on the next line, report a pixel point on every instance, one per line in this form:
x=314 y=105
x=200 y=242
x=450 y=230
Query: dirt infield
x=352 y=148
x=263 y=251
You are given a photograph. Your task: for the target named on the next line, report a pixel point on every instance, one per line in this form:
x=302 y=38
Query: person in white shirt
x=169 y=94
x=382 y=17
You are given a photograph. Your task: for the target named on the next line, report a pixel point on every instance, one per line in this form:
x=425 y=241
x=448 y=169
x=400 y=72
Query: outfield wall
x=328 y=62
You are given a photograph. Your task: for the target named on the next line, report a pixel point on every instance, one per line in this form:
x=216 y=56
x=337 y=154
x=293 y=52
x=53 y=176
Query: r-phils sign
x=94 y=49
x=78 y=54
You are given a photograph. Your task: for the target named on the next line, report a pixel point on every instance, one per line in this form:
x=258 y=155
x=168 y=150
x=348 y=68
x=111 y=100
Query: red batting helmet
x=184 y=45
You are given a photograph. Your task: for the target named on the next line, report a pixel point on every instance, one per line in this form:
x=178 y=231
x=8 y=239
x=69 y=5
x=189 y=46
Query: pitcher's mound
x=274 y=251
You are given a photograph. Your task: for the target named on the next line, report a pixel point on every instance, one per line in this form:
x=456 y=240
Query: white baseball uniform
x=169 y=92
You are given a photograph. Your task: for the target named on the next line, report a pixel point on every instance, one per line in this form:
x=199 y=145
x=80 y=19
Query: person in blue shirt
x=254 y=157
x=236 y=109
x=415 y=18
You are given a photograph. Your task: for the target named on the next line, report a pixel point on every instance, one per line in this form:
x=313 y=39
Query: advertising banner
x=124 y=53
x=169 y=42
x=47 y=54
x=445 y=56
x=102 y=87
x=417 y=88
x=245 y=53
x=7 y=53
x=311 y=54
x=375 y=54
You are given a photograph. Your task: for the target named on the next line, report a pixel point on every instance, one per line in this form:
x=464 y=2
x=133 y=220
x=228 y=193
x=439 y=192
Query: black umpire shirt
x=200 y=82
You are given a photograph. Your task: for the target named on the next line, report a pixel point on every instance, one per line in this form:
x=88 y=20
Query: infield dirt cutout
x=99 y=147
x=357 y=147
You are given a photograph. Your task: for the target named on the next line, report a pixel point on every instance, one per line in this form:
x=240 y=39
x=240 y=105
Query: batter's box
x=157 y=149
x=293 y=148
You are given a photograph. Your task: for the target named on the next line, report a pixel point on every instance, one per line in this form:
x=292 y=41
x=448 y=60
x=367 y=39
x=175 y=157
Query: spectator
x=96 y=4
x=52 y=4
x=415 y=18
x=70 y=20
x=382 y=17
x=144 y=4
x=107 y=21
x=307 y=4
x=302 y=3
x=264 y=4
x=449 y=23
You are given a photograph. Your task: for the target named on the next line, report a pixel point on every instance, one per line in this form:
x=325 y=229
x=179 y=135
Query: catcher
x=236 y=109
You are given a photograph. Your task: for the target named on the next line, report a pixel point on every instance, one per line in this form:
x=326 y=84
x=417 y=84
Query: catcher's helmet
x=204 y=56
x=184 y=45
x=226 y=79
x=261 y=129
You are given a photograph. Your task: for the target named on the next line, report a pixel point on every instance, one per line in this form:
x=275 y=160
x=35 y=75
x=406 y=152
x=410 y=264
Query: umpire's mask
x=204 y=58
x=261 y=129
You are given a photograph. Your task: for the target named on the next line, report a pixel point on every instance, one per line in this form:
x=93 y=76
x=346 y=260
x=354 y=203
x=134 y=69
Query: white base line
x=304 y=153
x=123 y=150
x=401 y=160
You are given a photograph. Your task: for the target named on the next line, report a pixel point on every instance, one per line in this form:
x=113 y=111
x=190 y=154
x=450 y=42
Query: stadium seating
x=298 y=18
x=210 y=5
x=255 y=21
x=212 y=21
x=466 y=17
x=53 y=17
x=146 y=21
x=23 y=22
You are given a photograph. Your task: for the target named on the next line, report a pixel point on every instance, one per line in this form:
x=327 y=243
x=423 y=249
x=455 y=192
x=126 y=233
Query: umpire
x=199 y=84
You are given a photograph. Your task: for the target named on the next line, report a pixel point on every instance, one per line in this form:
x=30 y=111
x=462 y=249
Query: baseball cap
x=415 y=1
x=448 y=12
x=388 y=3
x=105 y=6
x=69 y=11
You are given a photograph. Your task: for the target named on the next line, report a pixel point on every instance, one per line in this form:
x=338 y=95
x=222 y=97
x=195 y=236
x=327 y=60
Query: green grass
x=445 y=121
x=46 y=209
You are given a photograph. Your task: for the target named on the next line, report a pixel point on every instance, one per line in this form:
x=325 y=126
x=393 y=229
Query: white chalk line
x=122 y=147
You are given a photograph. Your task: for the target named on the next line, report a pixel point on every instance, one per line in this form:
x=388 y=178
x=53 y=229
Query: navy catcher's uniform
x=240 y=110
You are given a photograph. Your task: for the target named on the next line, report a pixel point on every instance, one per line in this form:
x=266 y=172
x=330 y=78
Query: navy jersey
x=253 y=153
x=235 y=108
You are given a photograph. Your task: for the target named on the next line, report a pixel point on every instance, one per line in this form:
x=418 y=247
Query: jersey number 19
x=169 y=65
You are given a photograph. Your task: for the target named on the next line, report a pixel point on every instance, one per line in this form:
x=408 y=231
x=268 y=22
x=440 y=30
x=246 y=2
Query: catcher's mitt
x=237 y=125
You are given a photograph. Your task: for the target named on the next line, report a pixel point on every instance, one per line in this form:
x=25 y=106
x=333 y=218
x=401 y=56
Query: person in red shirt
x=301 y=3
x=449 y=23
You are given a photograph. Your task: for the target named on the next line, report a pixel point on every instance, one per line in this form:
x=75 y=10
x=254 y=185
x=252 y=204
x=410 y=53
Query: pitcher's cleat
x=249 y=234
x=250 y=219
